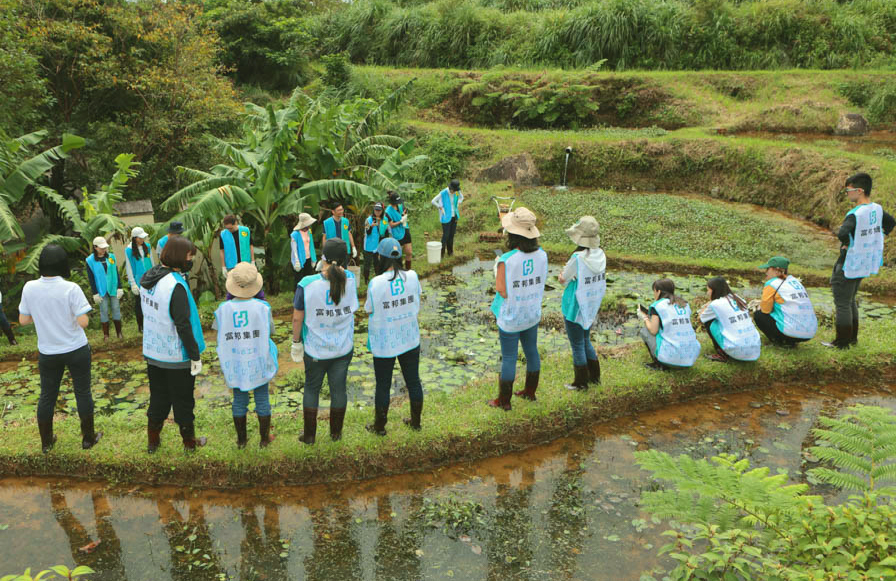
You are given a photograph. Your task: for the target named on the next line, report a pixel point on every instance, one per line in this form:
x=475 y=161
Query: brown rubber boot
x=594 y=372
x=89 y=437
x=580 y=381
x=188 y=435
x=154 y=436
x=118 y=329
x=310 y=428
x=380 y=417
x=105 y=331
x=264 y=430
x=47 y=438
x=337 y=417
x=241 y=437
x=505 y=392
x=531 y=386
x=414 y=421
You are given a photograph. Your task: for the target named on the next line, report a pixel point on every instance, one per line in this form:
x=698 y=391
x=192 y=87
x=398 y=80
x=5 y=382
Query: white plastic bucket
x=434 y=252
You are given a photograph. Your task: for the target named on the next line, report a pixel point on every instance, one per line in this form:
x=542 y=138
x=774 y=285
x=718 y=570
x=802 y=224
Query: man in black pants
x=448 y=202
x=861 y=254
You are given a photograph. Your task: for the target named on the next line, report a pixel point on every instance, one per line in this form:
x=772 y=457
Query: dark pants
x=336 y=372
x=307 y=270
x=448 y=231
x=170 y=388
x=51 y=368
x=370 y=259
x=4 y=322
x=410 y=369
x=138 y=311
x=846 y=319
x=767 y=324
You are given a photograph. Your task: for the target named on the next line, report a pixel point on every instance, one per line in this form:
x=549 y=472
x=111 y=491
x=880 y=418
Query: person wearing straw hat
x=376 y=229
x=585 y=278
x=174 y=229
x=246 y=351
x=520 y=276
x=138 y=256
x=102 y=273
x=393 y=301
x=785 y=315
x=303 y=255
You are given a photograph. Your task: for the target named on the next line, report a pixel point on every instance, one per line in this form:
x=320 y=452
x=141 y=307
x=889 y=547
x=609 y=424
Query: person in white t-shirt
x=58 y=309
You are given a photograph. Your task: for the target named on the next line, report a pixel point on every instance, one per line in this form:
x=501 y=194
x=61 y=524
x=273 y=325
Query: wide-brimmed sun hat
x=305 y=220
x=585 y=232
x=100 y=242
x=244 y=281
x=775 y=262
x=389 y=248
x=139 y=232
x=521 y=222
x=176 y=227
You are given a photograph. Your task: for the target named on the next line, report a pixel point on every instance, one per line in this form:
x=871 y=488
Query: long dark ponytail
x=395 y=264
x=719 y=289
x=336 y=278
x=666 y=288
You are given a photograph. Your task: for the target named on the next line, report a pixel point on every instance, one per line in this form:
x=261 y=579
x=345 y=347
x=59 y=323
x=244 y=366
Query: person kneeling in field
x=667 y=331
x=785 y=314
x=728 y=323
x=246 y=351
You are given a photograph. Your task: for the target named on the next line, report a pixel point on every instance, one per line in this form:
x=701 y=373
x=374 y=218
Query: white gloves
x=135 y=289
x=296 y=266
x=753 y=305
x=317 y=266
x=195 y=368
x=404 y=219
x=297 y=353
x=119 y=293
x=354 y=252
x=224 y=271
x=97 y=299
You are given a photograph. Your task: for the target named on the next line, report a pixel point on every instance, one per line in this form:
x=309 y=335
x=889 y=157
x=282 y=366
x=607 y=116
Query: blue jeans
x=410 y=369
x=580 y=341
x=509 y=341
x=240 y=404
x=336 y=371
x=104 y=309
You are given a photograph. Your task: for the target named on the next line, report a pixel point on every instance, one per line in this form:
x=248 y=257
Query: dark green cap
x=776 y=262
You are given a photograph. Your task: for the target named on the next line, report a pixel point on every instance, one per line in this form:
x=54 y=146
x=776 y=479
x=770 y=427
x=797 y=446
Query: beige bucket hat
x=244 y=281
x=585 y=232
x=521 y=222
x=305 y=220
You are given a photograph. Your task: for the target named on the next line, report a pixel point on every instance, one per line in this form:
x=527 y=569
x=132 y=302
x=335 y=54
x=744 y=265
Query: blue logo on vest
x=680 y=310
x=329 y=300
x=528 y=267
x=240 y=319
x=397 y=287
x=872 y=218
x=796 y=284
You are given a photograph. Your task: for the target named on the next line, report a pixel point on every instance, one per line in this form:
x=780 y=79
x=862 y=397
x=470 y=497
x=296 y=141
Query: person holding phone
x=727 y=320
x=667 y=332
x=376 y=229
x=397 y=215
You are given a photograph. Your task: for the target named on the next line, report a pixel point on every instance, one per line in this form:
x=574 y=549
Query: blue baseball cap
x=389 y=248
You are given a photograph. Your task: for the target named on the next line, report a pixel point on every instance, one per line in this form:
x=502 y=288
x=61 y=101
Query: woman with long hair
x=397 y=217
x=138 y=261
x=376 y=229
x=727 y=320
x=667 y=332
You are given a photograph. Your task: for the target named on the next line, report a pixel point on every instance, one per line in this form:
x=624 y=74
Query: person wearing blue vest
x=246 y=351
x=448 y=202
x=337 y=226
x=172 y=343
x=585 y=278
x=102 y=273
x=302 y=253
x=139 y=260
x=785 y=314
x=397 y=216
x=861 y=255
x=727 y=320
x=667 y=332
x=174 y=229
x=520 y=276
x=236 y=244
x=393 y=301
x=323 y=331
x=376 y=229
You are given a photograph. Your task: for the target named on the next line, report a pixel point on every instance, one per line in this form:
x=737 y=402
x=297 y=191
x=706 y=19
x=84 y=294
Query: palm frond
x=30 y=263
x=326 y=189
x=378 y=114
x=27 y=172
x=68 y=208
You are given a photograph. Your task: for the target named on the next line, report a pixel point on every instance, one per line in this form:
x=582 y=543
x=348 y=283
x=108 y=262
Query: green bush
x=449 y=155
x=337 y=70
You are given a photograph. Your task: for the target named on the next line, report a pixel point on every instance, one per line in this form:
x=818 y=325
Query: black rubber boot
x=414 y=421
x=118 y=329
x=580 y=378
x=531 y=386
x=153 y=436
x=594 y=372
x=854 y=335
x=47 y=438
x=241 y=437
x=380 y=417
x=188 y=435
x=505 y=392
x=337 y=417
x=310 y=427
x=89 y=436
x=264 y=430
x=842 y=338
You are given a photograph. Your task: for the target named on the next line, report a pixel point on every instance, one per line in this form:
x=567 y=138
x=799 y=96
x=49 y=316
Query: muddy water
x=564 y=511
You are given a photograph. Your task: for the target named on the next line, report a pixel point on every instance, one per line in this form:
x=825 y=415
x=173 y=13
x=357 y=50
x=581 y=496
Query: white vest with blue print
x=795 y=318
x=160 y=339
x=525 y=275
x=246 y=351
x=676 y=341
x=393 y=306
x=865 y=254
x=590 y=290
x=329 y=329
x=737 y=336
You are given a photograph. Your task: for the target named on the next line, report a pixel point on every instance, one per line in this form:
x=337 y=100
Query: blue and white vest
x=139 y=266
x=246 y=351
x=865 y=254
x=450 y=205
x=161 y=245
x=734 y=331
x=393 y=306
x=230 y=254
x=160 y=339
x=525 y=275
x=394 y=215
x=676 y=341
x=106 y=278
x=343 y=231
x=329 y=329
x=372 y=240
x=795 y=318
x=584 y=295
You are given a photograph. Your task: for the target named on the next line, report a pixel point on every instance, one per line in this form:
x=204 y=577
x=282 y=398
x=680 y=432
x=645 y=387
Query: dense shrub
x=448 y=157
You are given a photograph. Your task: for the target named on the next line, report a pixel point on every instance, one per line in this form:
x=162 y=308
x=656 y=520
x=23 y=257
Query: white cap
x=100 y=242
x=139 y=232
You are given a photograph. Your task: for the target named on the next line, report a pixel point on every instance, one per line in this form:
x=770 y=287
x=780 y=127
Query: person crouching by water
x=585 y=278
x=729 y=325
x=667 y=331
x=520 y=276
x=172 y=343
x=393 y=301
x=58 y=309
x=323 y=331
x=785 y=314
x=246 y=351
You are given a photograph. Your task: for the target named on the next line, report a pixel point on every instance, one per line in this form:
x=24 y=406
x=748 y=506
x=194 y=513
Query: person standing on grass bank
x=861 y=255
x=172 y=343
x=301 y=244
x=236 y=244
x=376 y=229
x=4 y=324
x=139 y=261
x=58 y=309
x=246 y=351
x=175 y=229
x=393 y=301
x=585 y=278
x=448 y=202
x=397 y=216
x=102 y=272
x=729 y=325
x=667 y=333
x=323 y=331
x=338 y=227
x=786 y=315
x=520 y=276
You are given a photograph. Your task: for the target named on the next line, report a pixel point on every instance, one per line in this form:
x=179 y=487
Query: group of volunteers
x=326 y=301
